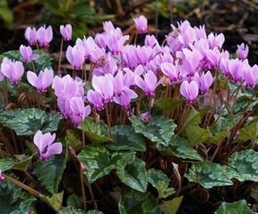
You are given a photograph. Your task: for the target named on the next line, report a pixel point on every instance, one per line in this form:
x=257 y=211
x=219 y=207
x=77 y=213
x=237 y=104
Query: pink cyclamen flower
x=242 y=51
x=13 y=70
x=141 y=24
x=149 y=84
x=66 y=32
x=44 y=36
x=204 y=81
x=42 y=81
x=78 y=111
x=75 y=56
x=31 y=35
x=96 y=99
x=189 y=90
x=1 y=176
x=45 y=145
x=250 y=75
x=26 y=53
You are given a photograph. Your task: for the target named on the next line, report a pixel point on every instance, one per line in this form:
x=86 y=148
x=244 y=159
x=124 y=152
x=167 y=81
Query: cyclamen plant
x=152 y=127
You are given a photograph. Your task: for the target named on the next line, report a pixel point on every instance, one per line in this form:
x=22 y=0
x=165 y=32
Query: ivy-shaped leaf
x=180 y=148
x=208 y=175
x=171 y=206
x=159 y=130
x=23 y=163
x=99 y=161
x=125 y=138
x=168 y=104
x=74 y=201
x=134 y=175
x=249 y=131
x=50 y=172
x=6 y=164
x=72 y=140
x=55 y=201
x=29 y=121
x=71 y=210
x=193 y=118
x=97 y=132
x=136 y=202
x=13 y=199
x=245 y=165
x=234 y=208
x=160 y=181
x=197 y=135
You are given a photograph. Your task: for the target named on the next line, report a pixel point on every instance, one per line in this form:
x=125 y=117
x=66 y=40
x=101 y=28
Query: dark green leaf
x=6 y=164
x=234 y=208
x=97 y=132
x=13 y=199
x=72 y=140
x=159 y=130
x=197 y=135
x=133 y=202
x=74 y=201
x=72 y=210
x=55 y=201
x=168 y=104
x=160 y=181
x=99 y=161
x=180 y=148
x=23 y=163
x=125 y=138
x=134 y=175
x=193 y=118
x=208 y=175
x=51 y=170
x=29 y=121
x=171 y=207
x=250 y=131
x=245 y=164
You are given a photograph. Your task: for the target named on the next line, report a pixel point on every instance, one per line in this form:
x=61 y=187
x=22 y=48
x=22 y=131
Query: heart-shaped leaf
x=125 y=138
x=136 y=202
x=245 y=165
x=134 y=175
x=50 y=172
x=208 y=175
x=28 y=121
x=234 y=208
x=159 y=130
x=99 y=161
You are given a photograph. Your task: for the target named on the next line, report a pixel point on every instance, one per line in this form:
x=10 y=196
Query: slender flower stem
x=83 y=135
x=226 y=104
x=59 y=73
x=82 y=187
x=23 y=186
x=108 y=119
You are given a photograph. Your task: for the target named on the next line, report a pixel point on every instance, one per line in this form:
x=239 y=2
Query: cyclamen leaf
x=208 y=175
x=160 y=181
x=6 y=164
x=136 y=202
x=97 y=132
x=99 y=161
x=125 y=138
x=159 y=130
x=168 y=104
x=245 y=165
x=13 y=199
x=197 y=135
x=134 y=175
x=171 y=207
x=250 y=131
x=28 y=121
x=180 y=148
x=71 y=210
x=74 y=201
x=234 y=208
x=51 y=170
x=55 y=201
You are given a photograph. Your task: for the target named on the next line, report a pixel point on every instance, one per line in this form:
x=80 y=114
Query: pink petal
x=32 y=78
